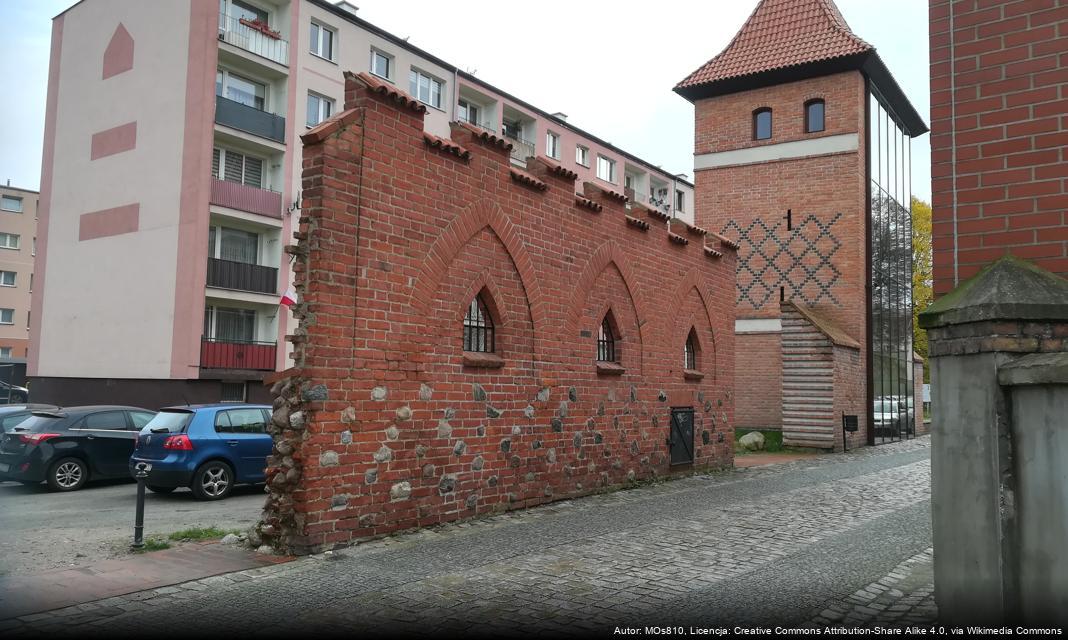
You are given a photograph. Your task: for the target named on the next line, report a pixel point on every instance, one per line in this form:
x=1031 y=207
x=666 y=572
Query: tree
x=922 y=279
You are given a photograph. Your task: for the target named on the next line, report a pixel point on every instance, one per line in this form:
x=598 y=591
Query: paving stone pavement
x=773 y=544
x=903 y=597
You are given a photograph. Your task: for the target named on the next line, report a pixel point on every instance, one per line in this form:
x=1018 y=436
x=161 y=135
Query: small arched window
x=689 y=352
x=478 y=327
x=814 y=116
x=762 y=124
x=606 y=340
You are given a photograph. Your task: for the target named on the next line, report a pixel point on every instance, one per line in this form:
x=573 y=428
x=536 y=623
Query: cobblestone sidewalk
x=904 y=597
x=579 y=567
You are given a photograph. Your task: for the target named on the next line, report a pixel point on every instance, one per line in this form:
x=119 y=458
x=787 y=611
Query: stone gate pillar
x=993 y=508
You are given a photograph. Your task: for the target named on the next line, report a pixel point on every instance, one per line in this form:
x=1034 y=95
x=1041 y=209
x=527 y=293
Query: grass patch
x=772 y=443
x=153 y=543
x=201 y=533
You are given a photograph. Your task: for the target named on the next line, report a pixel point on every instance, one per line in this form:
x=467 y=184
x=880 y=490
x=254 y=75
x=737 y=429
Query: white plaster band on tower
x=758 y=325
x=826 y=145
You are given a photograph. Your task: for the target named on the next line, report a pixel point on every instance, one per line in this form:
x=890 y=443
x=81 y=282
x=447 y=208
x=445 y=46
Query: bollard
x=139 y=520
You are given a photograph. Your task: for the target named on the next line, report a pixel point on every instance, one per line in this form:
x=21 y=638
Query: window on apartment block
x=233 y=392
x=319 y=109
x=243 y=10
x=235 y=245
x=607 y=338
x=582 y=155
x=814 y=120
x=7 y=278
x=322 y=41
x=468 y=112
x=680 y=199
x=7 y=316
x=606 y=169
x=9 y=241
x=381 y=64
x=234 y=166
x=552 y=145
x=240 y=89
x=5 y=352
x=224 y=324
x=478 y=327
x=425 y=88
x=11 y=203
x=762 y=124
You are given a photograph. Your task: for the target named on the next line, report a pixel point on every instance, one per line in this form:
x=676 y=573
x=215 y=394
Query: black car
x=13 y=414
x=67 y=447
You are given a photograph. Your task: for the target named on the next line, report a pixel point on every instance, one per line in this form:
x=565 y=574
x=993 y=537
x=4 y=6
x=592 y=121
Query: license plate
x=4 y=468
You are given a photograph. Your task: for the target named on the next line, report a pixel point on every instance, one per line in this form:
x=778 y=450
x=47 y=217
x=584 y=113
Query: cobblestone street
x=833 y=540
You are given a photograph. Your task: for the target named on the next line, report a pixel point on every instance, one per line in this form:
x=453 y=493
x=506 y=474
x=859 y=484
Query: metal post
x=139 y=520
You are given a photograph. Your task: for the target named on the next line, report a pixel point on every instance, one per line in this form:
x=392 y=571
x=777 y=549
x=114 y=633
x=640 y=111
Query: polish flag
x=289 y=298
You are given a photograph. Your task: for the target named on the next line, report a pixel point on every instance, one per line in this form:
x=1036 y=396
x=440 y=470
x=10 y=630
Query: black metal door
x=681 y=440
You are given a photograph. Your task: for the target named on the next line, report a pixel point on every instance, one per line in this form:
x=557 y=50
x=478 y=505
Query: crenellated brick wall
x=385 y=423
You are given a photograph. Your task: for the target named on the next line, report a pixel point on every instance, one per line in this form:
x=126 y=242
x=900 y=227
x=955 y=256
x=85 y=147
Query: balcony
x=229 y=354
x=255 y=38
x=521 y=149
x=231 y=113
x=241 y=276
x=474 y=121
x=245 y=198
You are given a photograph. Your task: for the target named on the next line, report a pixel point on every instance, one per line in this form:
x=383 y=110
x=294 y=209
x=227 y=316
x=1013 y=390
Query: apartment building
x=18 y=245
x=172 y=166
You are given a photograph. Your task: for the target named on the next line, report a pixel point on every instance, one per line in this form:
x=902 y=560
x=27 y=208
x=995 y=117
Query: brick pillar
x=988 y=549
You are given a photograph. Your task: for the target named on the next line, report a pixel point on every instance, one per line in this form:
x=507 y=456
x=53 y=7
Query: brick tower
x=801 y=152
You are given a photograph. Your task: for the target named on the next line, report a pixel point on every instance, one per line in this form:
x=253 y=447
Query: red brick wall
x=382 y=426
x=850 y=395
x=921 y=426
x=758 y=378
x=827 y=196
x=999 y=94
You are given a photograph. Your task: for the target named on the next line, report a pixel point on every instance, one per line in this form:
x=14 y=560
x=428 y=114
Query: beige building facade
x=18 y=242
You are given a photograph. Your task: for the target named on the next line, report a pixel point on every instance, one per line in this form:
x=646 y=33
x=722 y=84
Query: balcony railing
x=232 y=354
x=241 y=276
x=254 y=37
x=521 y=149
x=245 y=198
x=249 y=119
x=475 y=122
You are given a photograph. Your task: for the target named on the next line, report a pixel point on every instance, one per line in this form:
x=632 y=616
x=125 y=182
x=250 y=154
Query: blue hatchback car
x=208 y=448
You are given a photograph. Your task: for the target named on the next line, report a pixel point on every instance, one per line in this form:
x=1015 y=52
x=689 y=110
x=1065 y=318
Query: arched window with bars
x=478 y=327
x=689 y=352
x=607 y=340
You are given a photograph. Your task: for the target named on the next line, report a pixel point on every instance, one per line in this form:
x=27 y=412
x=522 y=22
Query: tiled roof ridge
x=748 y=52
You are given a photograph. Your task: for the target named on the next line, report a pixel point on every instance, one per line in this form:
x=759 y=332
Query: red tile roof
x=522 y=177
x=446 y=145
x=781 y=34
x=388 y=90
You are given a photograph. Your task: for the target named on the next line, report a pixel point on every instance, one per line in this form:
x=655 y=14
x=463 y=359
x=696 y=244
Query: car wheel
x=155 y=489
x=68 y=474
x=213 y=481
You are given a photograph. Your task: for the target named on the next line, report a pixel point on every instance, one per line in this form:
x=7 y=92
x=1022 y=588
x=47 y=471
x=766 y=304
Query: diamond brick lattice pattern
x=803 y=264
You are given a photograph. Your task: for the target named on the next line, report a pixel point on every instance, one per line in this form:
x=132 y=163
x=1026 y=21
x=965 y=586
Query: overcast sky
x=609 y=65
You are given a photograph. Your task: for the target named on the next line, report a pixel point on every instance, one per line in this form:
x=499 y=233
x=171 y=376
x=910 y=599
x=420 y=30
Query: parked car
x=208 y=448
x=889 y=417
x=13 y=414
x=13 y=394
x=67 y=447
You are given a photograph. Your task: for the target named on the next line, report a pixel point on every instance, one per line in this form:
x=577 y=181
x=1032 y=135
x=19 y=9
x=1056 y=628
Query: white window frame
x=264 y=178
x=552 y=145
x=611 y=166
x=419 y=74
x=582 y=155
x=226 y=73
x=217 y=253
x=467 y=106
x=319 y=41
x=11 y=315
x=5 y=352
x=680 y=200
x=10 y=241
x=391 y=64
x=14 y=279
x=6 y=197
x=323 y=100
